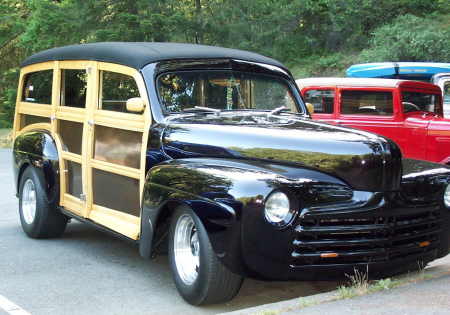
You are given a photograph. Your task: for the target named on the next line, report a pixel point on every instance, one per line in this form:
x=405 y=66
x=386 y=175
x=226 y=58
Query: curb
x=434 y=271
x=285 y=306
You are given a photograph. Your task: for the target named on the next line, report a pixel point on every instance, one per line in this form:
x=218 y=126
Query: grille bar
x=364 y=238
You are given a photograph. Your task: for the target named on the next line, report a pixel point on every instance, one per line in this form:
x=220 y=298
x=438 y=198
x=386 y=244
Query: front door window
x=322 y=100
x=446 y=97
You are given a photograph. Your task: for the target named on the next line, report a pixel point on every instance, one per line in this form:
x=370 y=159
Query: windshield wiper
x=278 y=110
x=201 y=109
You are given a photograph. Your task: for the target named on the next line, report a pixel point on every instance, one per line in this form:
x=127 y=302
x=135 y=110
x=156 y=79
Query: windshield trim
x=289 y=85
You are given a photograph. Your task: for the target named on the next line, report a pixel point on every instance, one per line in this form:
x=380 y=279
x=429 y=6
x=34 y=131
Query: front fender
x=37 y=149
x=226 y=194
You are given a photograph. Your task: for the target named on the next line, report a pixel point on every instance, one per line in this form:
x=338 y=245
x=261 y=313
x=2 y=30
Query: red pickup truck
x=408 y=112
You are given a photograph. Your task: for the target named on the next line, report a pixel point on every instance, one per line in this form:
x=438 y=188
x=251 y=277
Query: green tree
x=410 y=38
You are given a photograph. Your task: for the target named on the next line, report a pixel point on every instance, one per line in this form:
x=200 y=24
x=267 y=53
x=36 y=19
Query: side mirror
x=135 y=105
x=310 y=108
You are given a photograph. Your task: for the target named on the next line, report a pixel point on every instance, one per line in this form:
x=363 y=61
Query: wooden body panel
x=89 y=117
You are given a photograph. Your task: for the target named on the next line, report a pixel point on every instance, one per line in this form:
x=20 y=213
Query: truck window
x=366 y=103
x=322 y=100
x=38 y=87
x=416 y=101
x=446 y=91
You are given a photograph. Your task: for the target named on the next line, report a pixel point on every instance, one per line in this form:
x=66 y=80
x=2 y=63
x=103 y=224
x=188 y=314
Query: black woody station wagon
x=211 y=153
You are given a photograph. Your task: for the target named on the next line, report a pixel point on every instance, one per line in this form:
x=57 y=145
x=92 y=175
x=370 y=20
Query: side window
x=73 y=88
x=116 y=89
x=38 y=87
x=446 y=91
x=366 y=103
x=322 y=100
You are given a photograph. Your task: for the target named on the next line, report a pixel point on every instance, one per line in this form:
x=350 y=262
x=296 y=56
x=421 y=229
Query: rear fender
x=37 y=149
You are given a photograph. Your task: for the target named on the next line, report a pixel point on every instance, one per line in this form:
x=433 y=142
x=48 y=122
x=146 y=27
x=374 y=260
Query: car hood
x=364 y=160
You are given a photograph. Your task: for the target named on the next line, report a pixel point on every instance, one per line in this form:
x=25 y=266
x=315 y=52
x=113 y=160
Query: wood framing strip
x=55 y=96
x=112 y=67
x=38 y=67
x=88 y=135
x=123 y=223
x=17 y=118
x=147 y=123
x=77 y=117
x=76 y=64
x=71 y=157
x=72 y=203
x=35 y=109
x=117 y=120
x=116 y=169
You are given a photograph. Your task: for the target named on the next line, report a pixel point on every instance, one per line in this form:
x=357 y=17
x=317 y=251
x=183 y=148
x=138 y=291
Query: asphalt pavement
x=89 y=272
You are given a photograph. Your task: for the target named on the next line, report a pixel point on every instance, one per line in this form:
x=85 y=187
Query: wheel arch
x=38 y=149
x=224 y=194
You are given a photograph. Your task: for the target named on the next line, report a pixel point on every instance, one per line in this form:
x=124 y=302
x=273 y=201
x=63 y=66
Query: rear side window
x=73 y=88
x=38 y=87
x=366 y=103
x=322 y=100
x=116 y=89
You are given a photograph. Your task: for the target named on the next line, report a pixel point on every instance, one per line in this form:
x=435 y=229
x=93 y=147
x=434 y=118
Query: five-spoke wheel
x=198 y=274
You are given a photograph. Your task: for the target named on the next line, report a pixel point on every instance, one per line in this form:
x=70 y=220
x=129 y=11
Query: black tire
x=214 y=282
x=48 y=221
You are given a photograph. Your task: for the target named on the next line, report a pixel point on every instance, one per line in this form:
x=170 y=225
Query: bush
x=410 y=38
x=8 y=92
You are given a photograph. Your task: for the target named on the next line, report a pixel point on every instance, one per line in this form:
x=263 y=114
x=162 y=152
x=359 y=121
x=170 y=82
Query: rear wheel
x=198 y=274
x=39 y=218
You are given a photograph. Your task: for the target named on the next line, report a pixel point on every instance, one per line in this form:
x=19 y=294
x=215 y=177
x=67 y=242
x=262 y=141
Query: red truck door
x=428 y=130
x=418 y=108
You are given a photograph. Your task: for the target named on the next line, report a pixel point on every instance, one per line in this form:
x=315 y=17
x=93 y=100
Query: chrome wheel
x=186 y=249
x=29 y=201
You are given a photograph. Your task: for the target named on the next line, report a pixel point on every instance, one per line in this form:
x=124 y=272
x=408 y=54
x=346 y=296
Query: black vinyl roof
x=139 y=54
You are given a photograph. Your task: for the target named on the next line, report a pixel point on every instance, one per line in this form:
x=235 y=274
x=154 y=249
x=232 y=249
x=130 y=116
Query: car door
x=103 y=145
x=73 y=97
x=371 y=110
x=116 y=149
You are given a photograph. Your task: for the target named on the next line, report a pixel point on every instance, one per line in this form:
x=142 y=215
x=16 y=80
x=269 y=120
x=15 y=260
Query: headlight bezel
x=291 y=212
x=446 y=196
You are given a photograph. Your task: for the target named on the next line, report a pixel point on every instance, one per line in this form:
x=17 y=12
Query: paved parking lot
x=90 y=272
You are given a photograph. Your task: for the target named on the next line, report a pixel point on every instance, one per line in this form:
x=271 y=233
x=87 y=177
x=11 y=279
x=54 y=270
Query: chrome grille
x=363 y=237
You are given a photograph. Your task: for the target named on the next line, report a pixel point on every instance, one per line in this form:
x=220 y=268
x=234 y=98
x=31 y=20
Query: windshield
x=223 y=90
x=416 y=101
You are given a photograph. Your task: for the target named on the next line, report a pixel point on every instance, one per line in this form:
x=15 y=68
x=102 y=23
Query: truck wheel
x=198 y=274
x=39 y=218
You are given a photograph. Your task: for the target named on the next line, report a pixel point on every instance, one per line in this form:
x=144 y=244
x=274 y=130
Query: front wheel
x=198 y=274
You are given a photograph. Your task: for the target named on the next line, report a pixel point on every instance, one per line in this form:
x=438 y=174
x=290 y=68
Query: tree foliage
x=410 y=38
x=323 y=35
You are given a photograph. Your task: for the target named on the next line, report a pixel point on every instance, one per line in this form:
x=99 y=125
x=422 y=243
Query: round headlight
x=277 y=208
x=447 y=196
